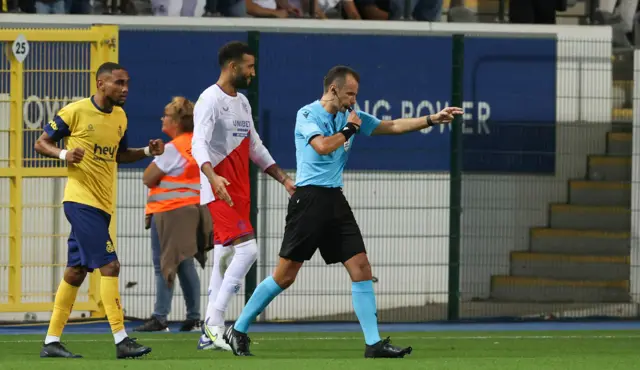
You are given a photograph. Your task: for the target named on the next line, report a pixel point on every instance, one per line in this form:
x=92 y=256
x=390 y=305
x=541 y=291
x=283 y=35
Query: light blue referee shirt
x=324 y=170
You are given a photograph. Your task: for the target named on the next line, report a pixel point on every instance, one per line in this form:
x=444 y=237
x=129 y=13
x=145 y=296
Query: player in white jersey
x=224 y=140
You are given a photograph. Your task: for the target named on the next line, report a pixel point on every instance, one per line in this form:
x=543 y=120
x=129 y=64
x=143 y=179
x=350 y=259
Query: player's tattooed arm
x=277 y=173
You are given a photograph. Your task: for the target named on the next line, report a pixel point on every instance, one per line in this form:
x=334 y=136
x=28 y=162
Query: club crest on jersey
x=244 y=106
x=120 y=131
x=110 y=248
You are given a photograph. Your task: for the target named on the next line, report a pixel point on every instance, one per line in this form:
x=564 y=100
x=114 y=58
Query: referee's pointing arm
x=404 y=125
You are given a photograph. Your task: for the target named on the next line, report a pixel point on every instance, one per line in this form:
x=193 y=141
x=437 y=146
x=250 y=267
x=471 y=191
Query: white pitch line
x=257 y=339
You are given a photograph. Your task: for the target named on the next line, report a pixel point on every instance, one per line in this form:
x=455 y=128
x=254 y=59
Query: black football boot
x=129 y=348
x=384 y=349
x=239 y=342
x=56 y=349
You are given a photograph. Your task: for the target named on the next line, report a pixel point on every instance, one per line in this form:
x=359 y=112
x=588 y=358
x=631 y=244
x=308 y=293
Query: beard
x=114 y=102
x=240 y=82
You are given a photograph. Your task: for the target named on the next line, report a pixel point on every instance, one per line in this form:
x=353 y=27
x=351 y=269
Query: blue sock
x=265 y=292
x=364 y=303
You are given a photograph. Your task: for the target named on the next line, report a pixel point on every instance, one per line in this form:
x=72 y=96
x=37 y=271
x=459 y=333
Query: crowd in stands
x=422 y=10
x=622 y=15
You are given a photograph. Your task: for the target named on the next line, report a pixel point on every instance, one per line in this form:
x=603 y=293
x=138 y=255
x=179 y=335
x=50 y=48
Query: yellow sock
x=110 y=294
x=62 y=306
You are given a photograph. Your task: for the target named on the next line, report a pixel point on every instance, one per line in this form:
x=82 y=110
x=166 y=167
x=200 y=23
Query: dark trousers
x=27 y=6
x=532 y=11
x=228 y=8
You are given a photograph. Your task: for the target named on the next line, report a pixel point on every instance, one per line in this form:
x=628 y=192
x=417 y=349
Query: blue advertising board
x=510 y=88
x=509 y=93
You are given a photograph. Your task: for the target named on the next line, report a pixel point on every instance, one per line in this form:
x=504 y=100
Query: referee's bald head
x=341 y=86
x=338 y=75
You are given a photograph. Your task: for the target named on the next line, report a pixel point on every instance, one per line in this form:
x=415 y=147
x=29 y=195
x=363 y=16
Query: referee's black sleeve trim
x=311 y=138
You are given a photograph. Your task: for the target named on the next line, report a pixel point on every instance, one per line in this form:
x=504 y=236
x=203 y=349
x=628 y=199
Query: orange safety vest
x=177 y=191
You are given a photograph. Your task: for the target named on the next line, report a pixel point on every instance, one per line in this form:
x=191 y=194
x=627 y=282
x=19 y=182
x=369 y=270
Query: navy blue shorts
x=90 y=244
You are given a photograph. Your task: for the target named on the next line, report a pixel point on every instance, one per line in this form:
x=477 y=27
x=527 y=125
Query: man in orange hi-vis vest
x=175 y=216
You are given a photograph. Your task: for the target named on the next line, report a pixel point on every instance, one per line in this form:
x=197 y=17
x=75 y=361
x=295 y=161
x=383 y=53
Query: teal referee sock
x=265 y=292
x=364 y=303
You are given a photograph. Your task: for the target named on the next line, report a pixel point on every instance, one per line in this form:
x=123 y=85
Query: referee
x=319 y=216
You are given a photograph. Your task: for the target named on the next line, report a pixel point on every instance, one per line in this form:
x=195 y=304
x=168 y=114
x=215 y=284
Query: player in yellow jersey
x=94 y=131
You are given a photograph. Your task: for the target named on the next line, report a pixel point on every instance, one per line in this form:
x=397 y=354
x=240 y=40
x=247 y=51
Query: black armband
x=349 y=130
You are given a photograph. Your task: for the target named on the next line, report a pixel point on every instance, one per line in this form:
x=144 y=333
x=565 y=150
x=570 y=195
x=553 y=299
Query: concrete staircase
x=622 y=62
x=583 y=256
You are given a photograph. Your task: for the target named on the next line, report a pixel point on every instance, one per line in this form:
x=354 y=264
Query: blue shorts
x=90 y=244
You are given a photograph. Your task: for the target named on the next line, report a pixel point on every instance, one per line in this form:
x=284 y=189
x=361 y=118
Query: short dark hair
x=338 y=75
x=233 y=51
x=108 y=68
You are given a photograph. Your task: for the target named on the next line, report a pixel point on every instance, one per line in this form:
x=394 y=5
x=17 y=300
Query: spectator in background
x=420 y=10
x=534 y=11
x=116 y=7
x=9 y=6
x=272 y=9
x=24 y=6
x=50 y=7
x=161 y=7
x=337 y=9
x=305 y=8
x=458 y=12
x=373 y=9
x=225 y=8
x=77 y=6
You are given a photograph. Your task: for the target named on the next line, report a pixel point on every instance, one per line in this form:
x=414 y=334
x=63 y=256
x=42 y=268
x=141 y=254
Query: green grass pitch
x=535 y=350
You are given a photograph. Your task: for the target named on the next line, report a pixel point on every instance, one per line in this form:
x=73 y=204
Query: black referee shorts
x=320 y=218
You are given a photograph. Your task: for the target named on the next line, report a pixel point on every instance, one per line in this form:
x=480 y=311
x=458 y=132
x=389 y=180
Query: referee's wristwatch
x=429 y=121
